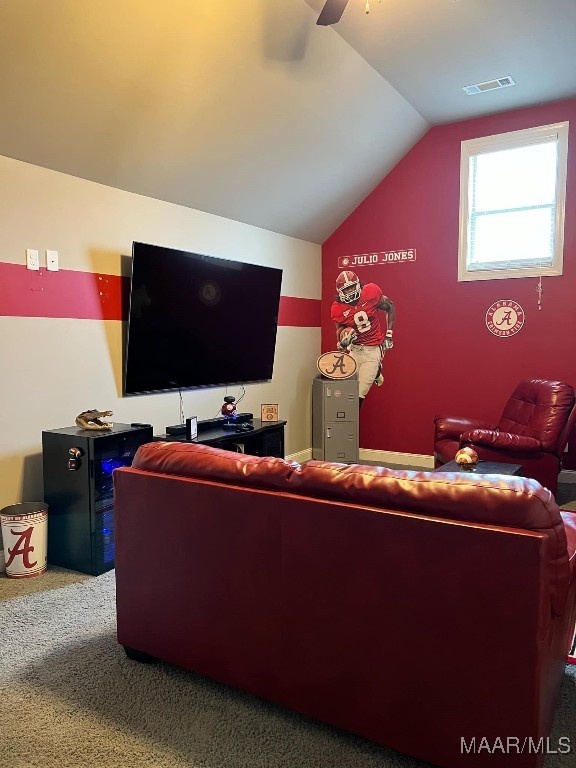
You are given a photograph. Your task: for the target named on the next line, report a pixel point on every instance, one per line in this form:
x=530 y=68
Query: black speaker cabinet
x=78 y=466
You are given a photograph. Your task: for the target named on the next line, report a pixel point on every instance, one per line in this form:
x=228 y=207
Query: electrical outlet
x=52 y=261
x=32 y=259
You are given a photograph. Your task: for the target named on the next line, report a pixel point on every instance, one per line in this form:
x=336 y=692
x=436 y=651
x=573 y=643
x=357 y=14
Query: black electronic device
x=78 y=488
x=235 y=427
x=177 y=429
x=258 y=439
x=219 y=421
x=198 y=321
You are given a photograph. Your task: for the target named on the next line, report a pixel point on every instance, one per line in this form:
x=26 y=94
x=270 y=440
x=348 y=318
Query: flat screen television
x=198 y=321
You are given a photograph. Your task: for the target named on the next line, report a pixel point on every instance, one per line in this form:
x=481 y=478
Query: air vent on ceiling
x=489 y=85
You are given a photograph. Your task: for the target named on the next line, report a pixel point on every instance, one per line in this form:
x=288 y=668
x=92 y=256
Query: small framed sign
x=192 y=428
x=269 y=412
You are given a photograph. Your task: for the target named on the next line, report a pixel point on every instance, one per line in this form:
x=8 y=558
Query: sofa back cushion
x=504 y=501
x=207 y=463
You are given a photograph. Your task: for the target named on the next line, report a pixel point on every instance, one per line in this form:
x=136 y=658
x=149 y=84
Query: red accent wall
x=445 y=361
x=91 y=296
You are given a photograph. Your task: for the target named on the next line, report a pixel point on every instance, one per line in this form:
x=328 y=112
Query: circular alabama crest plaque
x=505 y=318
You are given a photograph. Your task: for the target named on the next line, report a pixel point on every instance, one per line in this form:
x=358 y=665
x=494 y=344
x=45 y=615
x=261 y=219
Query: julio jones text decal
x=505 y=318
x=371 y=259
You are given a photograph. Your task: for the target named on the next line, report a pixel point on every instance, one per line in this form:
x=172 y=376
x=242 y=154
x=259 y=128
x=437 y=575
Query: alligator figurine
x=92 y=420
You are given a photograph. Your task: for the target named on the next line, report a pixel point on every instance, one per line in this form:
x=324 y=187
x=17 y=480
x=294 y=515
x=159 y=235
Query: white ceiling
x=430 y=49
x=251 y=111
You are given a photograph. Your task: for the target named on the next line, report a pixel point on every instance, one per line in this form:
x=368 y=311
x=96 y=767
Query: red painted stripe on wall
x=83 y=295
x=304 y=313
x=94 y=296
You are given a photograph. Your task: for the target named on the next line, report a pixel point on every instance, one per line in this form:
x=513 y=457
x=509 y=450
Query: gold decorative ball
x=466 y=457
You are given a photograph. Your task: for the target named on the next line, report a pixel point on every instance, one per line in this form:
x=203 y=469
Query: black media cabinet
x=78 y=488
x=266 y=439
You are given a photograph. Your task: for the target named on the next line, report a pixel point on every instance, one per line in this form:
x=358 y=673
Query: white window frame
x=473 y=147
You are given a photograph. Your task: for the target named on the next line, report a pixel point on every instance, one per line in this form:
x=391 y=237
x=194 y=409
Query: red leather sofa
x=425 y=611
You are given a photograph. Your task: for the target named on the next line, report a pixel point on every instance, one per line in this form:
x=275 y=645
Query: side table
x=482 y=468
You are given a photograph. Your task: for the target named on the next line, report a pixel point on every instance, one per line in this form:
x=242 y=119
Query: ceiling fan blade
x=332 y=12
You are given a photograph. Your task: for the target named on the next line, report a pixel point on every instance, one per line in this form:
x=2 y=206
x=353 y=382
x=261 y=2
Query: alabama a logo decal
x=505 y=318
x=336 y=365
x=23 y=547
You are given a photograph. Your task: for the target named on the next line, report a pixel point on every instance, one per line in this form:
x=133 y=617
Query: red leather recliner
x=533 y=431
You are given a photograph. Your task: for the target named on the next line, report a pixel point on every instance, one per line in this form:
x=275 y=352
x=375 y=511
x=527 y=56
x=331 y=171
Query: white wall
x=54 y=368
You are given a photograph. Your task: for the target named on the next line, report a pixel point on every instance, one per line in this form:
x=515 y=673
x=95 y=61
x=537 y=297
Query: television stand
x=266 y=439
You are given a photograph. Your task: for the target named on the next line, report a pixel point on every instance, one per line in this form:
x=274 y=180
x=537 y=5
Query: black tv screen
x=198 y=321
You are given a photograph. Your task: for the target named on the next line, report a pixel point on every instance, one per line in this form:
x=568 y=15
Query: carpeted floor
x=566 y=495
x=69 y=698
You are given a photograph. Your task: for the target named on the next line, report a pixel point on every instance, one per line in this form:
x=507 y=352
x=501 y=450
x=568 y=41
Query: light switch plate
x=52 y=261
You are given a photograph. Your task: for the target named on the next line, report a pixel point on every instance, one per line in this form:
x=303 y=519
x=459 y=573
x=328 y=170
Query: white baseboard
x=300 y=456
x=379 y=457
x=394 y=457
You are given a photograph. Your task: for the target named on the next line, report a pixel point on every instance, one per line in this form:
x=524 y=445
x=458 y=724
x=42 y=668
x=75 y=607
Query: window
x=512 y=189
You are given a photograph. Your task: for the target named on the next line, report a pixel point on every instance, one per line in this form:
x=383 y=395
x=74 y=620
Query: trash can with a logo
x=25 y=537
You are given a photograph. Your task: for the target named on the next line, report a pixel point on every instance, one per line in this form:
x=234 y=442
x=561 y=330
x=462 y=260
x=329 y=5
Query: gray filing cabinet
x=335 y=420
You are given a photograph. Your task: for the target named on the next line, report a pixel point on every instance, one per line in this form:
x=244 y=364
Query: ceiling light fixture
x=368 y=5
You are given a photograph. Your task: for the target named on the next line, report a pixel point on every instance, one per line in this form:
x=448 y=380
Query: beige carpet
x=69 y=698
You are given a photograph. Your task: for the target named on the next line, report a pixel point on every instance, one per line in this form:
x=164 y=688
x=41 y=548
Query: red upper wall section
x=444 y=359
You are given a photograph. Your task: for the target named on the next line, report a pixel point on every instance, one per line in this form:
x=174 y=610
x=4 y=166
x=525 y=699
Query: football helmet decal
x=348 y=287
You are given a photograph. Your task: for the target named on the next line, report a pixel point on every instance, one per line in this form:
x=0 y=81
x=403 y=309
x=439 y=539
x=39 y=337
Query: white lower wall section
x=57 y=368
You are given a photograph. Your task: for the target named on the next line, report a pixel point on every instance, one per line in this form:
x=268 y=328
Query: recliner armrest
x=450 y=427
x=505 y=440
x=569 y=520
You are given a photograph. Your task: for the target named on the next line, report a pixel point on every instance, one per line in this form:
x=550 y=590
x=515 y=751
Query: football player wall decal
x=359 y=332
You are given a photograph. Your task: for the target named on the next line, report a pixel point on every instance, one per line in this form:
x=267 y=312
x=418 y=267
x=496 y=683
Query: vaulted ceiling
x=249 y=110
